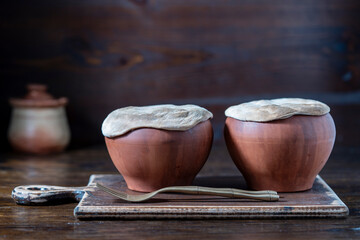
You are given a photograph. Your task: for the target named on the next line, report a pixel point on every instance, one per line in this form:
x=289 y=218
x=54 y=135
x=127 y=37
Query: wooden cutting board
x=320 y=201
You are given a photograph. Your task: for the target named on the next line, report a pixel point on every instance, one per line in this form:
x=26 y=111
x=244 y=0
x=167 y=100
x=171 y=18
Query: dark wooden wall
x=107 y=54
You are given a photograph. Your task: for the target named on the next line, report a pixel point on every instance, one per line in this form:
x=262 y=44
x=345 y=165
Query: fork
x=267 y=195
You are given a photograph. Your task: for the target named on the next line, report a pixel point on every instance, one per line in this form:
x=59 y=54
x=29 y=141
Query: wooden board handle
x=44 y=194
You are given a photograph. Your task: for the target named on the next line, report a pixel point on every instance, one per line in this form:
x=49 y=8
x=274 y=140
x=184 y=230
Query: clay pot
x=38 y=122
x=150 y=159
x=281 y=155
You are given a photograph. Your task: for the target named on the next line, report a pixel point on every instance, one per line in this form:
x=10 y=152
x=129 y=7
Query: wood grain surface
x=109 y=54
x=74 y=168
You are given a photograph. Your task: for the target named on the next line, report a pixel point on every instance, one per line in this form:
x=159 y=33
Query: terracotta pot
x=38 y=122
x=150 y=159
x=281 y=155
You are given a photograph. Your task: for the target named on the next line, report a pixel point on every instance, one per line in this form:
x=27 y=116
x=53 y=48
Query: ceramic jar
x=151 y=158
x=38 y=122
x=284 y=155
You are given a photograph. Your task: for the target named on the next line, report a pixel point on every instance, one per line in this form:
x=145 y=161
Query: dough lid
x=281 y=108
x=165 y=116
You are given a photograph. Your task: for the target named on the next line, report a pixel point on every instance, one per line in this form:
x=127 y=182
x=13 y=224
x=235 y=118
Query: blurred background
x=104 y=55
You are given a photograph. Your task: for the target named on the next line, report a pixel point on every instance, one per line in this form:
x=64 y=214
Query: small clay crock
x=282 y=155
x=150 y=159
x=38 y=122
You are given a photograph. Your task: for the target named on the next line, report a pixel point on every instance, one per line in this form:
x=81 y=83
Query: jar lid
x=37 y=96
x=165 y=116
x=281 y=108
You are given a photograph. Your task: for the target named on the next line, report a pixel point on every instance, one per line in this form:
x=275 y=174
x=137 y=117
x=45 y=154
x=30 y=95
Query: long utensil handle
x=45 y=194
x=236 y=190
x=224 y=192
x=241 y=191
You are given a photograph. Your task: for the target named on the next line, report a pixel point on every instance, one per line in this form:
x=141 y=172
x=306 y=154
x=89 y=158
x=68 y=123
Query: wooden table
x=73 y=168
